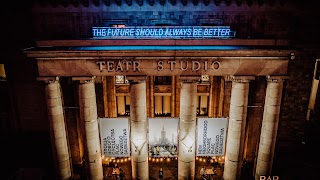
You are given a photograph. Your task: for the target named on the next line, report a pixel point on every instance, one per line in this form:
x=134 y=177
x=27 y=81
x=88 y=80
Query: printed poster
x=163 y=137
x=211 y=136
x=114 y=133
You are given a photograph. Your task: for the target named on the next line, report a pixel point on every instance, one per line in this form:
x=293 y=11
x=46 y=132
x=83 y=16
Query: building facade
x=82 y=63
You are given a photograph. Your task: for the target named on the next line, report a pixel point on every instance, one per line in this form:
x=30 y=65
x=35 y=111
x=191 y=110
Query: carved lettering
x=136 y=66
x=119 y=66
x=185 y=67
x=205 y=65
x=172 y=63
x=215 y=65
x=195 y=63
x=100 y=64
x=127 y=65
x=160 y=65
x=110 y=66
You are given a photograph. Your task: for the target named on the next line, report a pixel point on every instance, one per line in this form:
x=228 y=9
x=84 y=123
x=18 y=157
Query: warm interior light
x=166 y=104
x=158 y=104
x=2 y=71
x=121 y=105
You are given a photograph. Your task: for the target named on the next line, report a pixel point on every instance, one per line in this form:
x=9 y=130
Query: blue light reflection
x=117 y=48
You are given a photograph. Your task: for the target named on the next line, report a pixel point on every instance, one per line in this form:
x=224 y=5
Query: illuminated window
x=121 y=80
x=119 y=25
x=202 y=106
x=123 y=105
x=162 y=80
x=162 y=105
x=2 y=72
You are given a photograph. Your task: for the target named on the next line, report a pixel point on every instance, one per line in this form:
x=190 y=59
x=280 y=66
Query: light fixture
x=292 y=56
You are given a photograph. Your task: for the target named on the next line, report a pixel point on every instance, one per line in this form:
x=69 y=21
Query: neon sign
x=170 y=32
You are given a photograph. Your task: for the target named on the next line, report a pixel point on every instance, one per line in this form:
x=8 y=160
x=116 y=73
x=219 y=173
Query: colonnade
x=139 y=127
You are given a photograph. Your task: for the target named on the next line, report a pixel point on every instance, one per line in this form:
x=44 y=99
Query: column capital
x=190 y=79
x=240 y=79
x=84 y=79
x=136 y=79
x=48 y=80
x=276 y=78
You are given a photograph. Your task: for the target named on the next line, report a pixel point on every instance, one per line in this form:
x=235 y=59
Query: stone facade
x=289 y=21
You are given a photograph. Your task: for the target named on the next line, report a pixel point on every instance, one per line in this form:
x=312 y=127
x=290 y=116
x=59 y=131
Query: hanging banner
x=211 y=136
x=163 y=139
x=114 y=133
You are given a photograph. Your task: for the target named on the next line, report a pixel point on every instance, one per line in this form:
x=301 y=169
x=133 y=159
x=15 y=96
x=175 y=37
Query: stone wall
x=278 y=21
x=295 y=98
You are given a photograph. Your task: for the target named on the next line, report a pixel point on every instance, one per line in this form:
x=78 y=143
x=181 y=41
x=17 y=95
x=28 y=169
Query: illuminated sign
x=170 y=32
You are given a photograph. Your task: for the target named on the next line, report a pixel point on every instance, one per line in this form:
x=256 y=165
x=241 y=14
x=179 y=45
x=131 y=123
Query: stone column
x=89 y=127
x=269 y=125
x=58 y=134
x=139 y=126
x=187 y=128
x=173 y=95
x=236 y=127
x=152 y=96
x=210 y=109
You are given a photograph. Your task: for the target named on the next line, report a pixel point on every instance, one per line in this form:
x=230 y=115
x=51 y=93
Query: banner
x=211 y=136
x=171 y=32
x=163 y=137
x=114 y=134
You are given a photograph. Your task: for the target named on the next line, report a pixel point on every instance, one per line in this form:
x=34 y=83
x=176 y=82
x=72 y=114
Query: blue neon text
x=164 y=32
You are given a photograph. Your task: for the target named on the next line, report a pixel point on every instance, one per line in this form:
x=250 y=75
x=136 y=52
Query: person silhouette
x=203 y=172
x=160 y=173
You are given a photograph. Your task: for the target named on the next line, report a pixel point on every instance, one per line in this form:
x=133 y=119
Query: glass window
x=162 y=105
x=202 y=106
x=123 y=105
x=162 y=80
